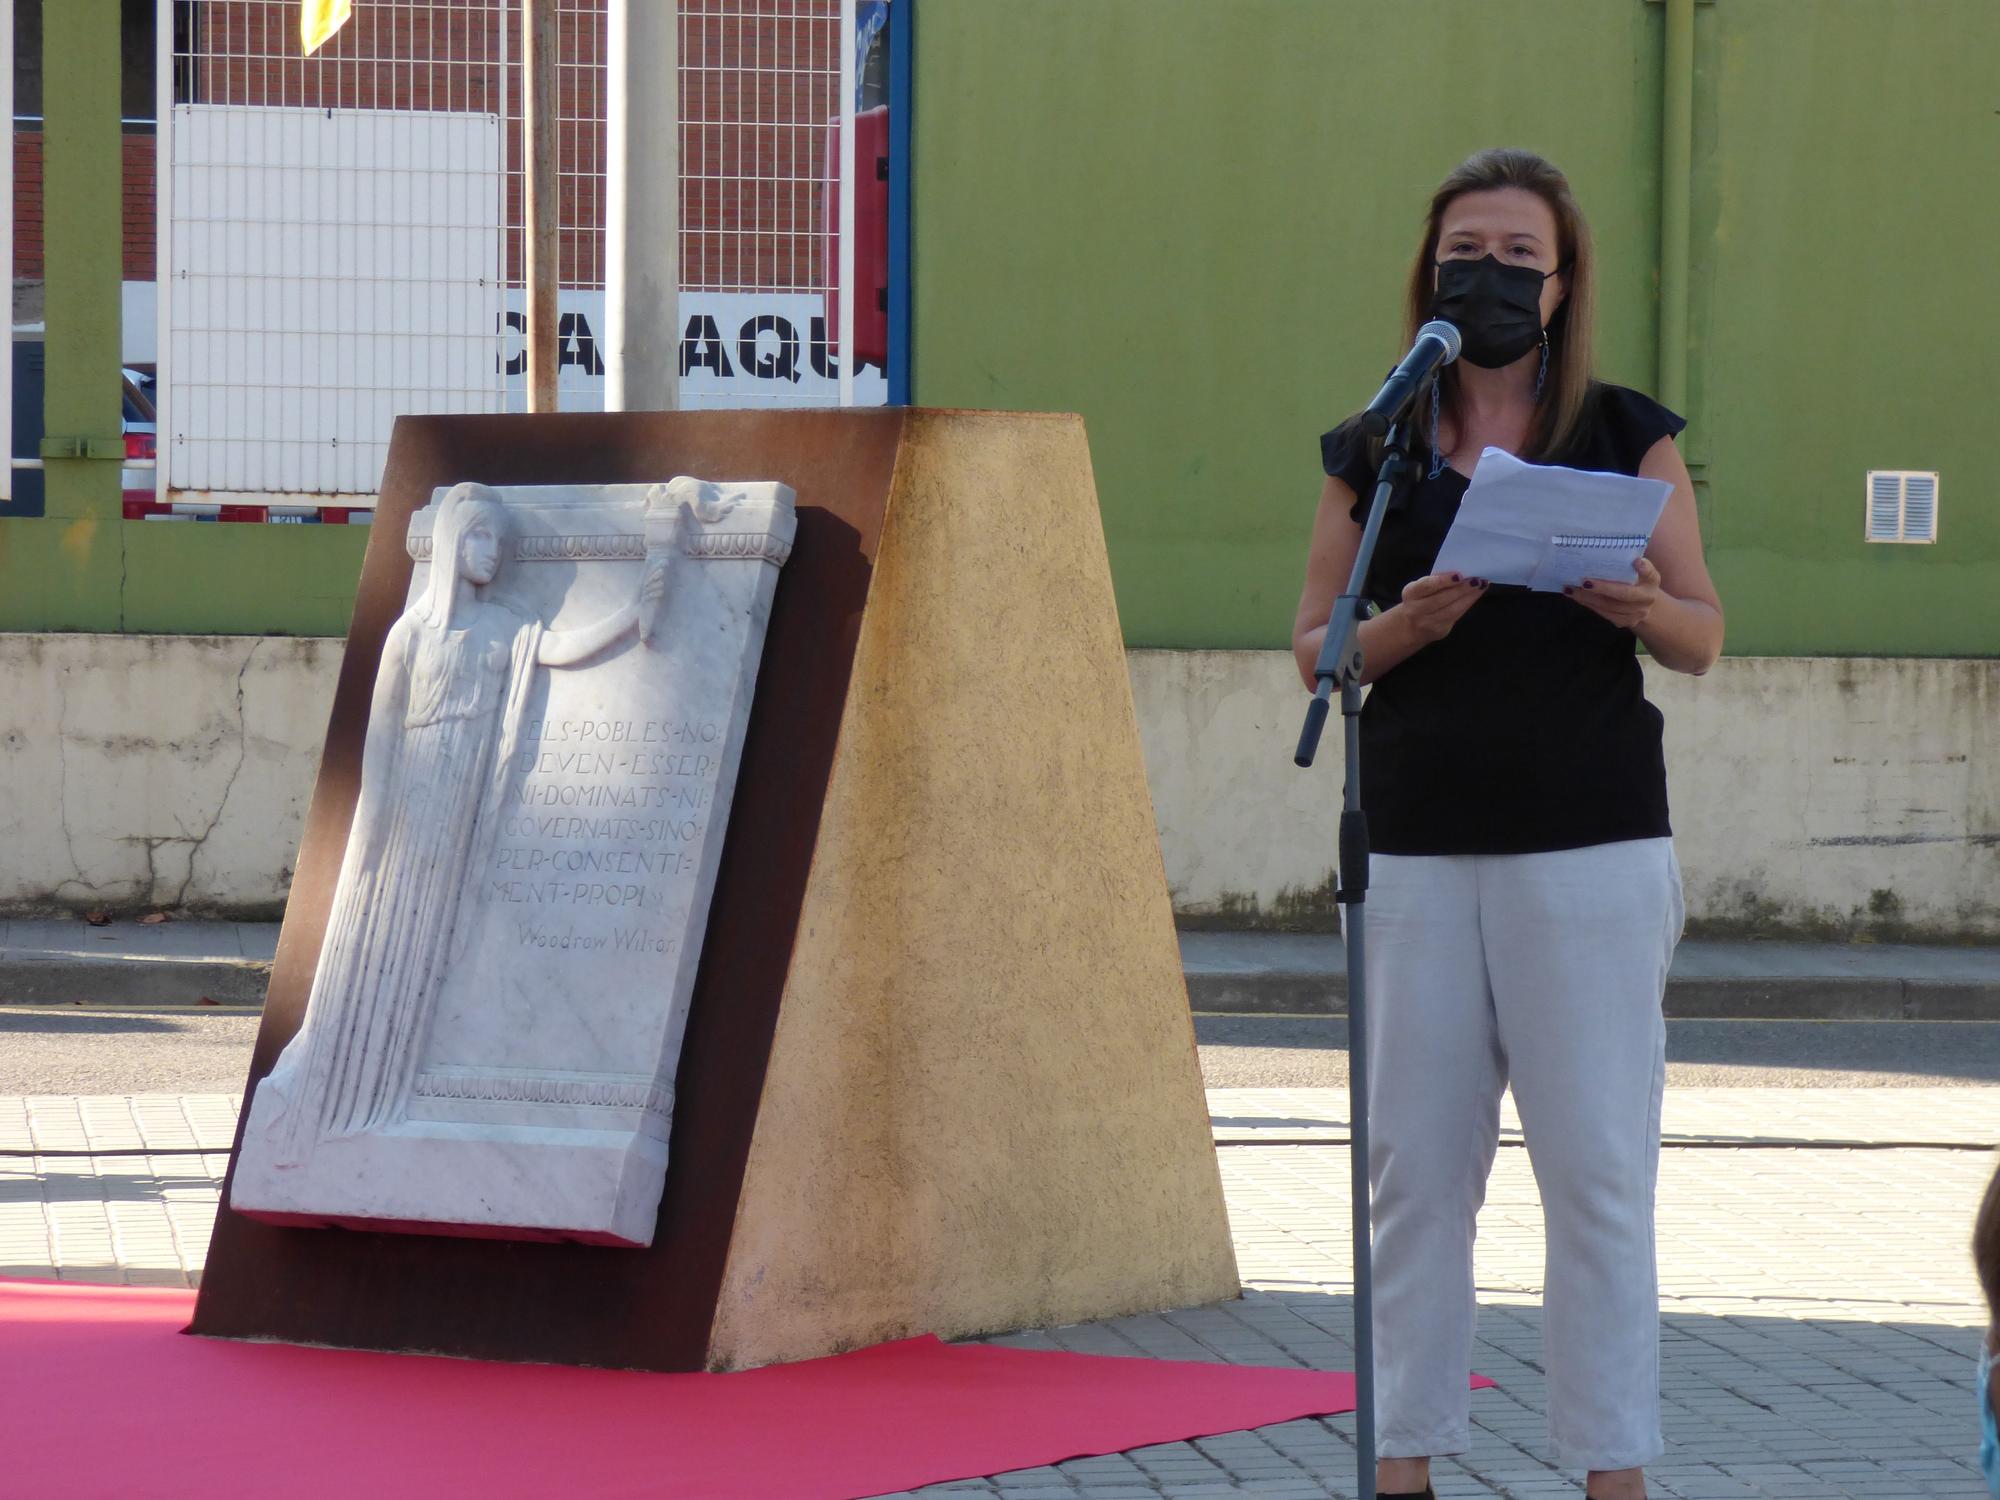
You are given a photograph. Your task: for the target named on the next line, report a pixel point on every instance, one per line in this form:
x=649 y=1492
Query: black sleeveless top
x=1527 y=728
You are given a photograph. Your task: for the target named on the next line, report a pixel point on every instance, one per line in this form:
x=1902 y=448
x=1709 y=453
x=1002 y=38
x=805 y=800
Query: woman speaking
x=1526 y=901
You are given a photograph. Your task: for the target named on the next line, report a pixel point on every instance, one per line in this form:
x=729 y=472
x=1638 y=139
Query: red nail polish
x=1588 y=584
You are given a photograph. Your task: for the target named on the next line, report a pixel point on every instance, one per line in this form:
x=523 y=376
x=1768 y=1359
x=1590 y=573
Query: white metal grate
x=760 y=121
x=331 y=269
x=1902 y=505
x=309 y=302
x=329 y=236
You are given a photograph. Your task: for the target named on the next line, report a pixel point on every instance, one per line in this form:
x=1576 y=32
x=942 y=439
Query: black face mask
x=1497 y=308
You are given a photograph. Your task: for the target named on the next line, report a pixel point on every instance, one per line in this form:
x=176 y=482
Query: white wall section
x=1828 y=797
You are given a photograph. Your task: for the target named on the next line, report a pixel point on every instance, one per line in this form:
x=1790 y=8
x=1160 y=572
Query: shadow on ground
x=86 y=1023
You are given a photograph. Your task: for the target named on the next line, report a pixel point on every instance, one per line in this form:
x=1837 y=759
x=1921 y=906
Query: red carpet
x=100 y=1395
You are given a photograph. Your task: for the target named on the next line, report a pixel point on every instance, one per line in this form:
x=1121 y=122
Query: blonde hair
x=1566 y=389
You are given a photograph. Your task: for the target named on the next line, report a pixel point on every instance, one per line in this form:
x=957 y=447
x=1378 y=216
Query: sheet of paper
x=1548 y=528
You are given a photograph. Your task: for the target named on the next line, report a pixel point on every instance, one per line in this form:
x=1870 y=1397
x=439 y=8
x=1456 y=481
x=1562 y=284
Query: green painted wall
x=1847 y=154
x=1189 y=221
x=149 y=577
x=241 y=579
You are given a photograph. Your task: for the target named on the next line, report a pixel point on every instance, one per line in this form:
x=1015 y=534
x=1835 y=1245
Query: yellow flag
x=320 y=19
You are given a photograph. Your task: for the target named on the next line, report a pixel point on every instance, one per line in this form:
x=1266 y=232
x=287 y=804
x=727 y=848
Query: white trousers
x=1546 y=971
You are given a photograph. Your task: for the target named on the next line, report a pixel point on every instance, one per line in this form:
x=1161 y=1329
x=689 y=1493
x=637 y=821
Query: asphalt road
x=48 y=1050
x=44 y=1050
x=1311 y=1052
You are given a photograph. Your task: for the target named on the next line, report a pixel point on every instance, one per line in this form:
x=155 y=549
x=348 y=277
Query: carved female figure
x=445 y=722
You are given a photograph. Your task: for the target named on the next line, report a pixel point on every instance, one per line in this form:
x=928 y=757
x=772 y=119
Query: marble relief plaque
x=497 y=1013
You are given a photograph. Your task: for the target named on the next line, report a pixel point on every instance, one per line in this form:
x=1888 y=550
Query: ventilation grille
x=1902 y=505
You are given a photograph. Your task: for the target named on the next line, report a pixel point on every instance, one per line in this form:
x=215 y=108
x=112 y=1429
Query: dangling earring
x=1542 y=375
x=1437 y=458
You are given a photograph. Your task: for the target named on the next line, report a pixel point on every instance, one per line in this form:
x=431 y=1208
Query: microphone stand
x=1340 y=665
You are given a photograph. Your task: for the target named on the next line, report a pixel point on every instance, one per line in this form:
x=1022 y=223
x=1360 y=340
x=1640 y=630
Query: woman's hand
x=1625 y=605
x=1426 y=613
x=1434 y=604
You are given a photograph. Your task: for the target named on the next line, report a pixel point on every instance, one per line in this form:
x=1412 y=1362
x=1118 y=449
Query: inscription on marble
x=497 y=1011
x=605 y=799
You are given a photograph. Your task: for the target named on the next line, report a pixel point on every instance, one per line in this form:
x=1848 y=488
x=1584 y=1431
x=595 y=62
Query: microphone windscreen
x=1437 y=328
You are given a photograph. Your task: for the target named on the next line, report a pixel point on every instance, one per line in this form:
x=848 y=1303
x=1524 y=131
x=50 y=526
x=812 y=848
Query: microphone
x=1437 y=344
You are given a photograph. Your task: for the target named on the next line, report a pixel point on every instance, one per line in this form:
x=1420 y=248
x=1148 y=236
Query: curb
x=170 y=983
x=1842 y=997
x=149 y=983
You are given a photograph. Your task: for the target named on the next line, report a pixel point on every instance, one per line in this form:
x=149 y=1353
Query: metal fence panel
x=380 y=317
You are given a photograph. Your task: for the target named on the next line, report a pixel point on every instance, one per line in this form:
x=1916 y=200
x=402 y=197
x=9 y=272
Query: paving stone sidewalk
x=1821 y=1314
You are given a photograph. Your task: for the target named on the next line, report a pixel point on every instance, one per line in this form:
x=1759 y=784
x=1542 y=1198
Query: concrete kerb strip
x=1227 y=973
x=130 y=982
x=130 y=965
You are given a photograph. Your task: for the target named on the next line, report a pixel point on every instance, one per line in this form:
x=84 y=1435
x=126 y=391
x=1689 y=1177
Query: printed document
x=1548 y=528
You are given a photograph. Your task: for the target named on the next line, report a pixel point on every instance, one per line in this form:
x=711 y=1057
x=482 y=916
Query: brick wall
x=785 y=160
x=138 y=198
x=139 y=217
x=28 y=205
